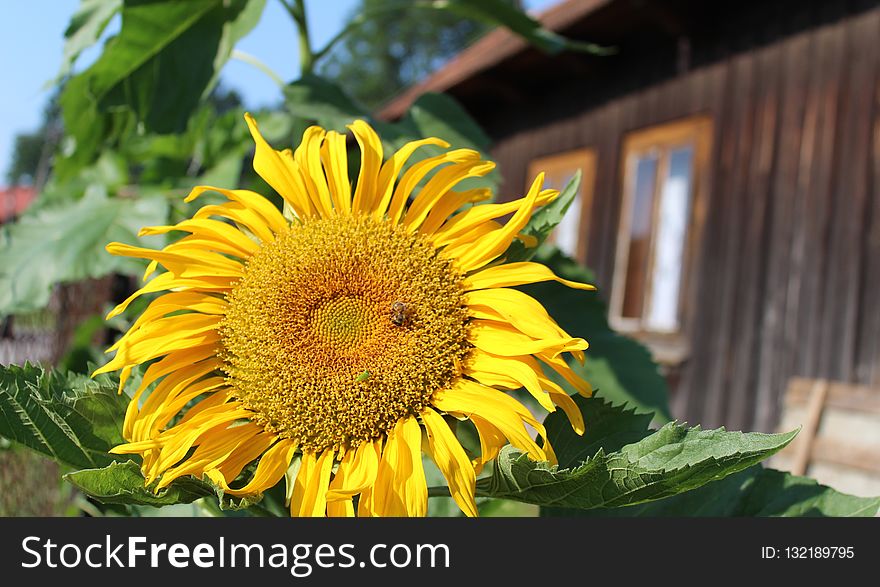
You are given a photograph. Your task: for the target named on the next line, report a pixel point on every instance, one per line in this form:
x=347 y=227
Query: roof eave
x=492 y=49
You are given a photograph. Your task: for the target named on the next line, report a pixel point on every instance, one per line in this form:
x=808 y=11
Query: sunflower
x=334 y=344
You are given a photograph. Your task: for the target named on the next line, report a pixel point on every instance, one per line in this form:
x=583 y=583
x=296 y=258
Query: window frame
x=663 y=139
x=585 y=159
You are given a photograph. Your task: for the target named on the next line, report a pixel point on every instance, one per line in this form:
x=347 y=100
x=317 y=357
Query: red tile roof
x=14 y=200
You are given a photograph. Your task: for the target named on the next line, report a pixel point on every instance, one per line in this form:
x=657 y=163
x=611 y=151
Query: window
x=664 y=168
x=569 y=234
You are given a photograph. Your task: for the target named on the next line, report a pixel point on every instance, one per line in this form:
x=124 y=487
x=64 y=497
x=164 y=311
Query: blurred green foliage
x=392 y=49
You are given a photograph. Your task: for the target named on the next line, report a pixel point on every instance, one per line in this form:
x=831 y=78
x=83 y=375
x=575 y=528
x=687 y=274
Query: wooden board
x=839 y=441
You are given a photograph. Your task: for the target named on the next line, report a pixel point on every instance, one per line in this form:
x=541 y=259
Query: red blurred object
x=14 y=200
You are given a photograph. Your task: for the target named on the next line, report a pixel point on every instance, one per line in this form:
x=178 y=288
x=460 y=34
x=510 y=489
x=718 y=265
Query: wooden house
x=731 y=197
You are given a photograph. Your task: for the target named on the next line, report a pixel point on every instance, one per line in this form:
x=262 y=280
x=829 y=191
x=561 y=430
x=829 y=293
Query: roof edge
x=489 y=50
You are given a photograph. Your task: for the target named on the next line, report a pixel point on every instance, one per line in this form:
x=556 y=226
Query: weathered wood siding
x=786 y=280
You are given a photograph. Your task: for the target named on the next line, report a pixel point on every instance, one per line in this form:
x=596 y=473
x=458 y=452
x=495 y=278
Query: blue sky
x=31 y=43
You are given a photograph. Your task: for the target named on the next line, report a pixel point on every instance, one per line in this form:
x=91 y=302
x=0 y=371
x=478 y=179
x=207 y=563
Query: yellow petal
x=204 y=356
x=243 y=455
x=160 y=416
x=133 y=414
x=500 y=338
x=280 y=171
x=512 y=274
x=466 y=242
x=365 y=504
x=454 y=229
x=484 y=403
x=452 y=461
x=371 y=161
x=519 y=309
x=180 y=330
x=182 y=261
x=356 y=472
x=196 y=302
x=310 y=488
x=181 y=439
x=334 y=157
x=271 y=468
x=490 y=246
x=166 y=390
x=415 y=174
x=391 y=169
x=342 y=508
x=211 y=401
x=401 y=488
x=153 y=347
x=559 y=365
x=520 y=369
x=448 y=204
x=548 y=450
x=167 y=281
x=209 y=455
x=243 y=202
x=212 y=230
x=491 y=442
x=439 y=185
x=308 y=158
x=564 y=401
x=243 y=217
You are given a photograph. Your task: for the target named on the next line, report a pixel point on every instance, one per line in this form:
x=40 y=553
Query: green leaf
x=544 y=221
x=313 y=98
x=670 y=461
x=85 y=28
x=66 y=243
x=755 y=492
x=440 y=115
x=71 y=419
x=609 y=427
x=620 y=367
x=238 y=21
x=154 y=74
x=122 y=483
x=165 y=91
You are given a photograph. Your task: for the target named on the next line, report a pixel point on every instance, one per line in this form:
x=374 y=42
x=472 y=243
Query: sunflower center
x=340 y=327
x=345 y=321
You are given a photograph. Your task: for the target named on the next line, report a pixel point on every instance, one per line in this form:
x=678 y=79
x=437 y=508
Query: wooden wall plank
x=714 y=99
x=631 y=108
x=751 y=262
x=848 y=200
x=774 y=365
x=810 y=246
x=868 y=358
x=602 y=245
x=710 y=361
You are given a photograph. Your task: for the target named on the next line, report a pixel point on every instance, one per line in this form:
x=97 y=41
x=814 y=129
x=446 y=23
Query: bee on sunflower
x=347 y=339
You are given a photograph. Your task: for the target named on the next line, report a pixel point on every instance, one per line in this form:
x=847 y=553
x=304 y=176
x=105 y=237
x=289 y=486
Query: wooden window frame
x=584 y=159
x=668 y=346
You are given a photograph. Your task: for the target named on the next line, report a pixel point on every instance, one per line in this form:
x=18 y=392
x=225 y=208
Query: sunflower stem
x=439 y=491
x=297 y=10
